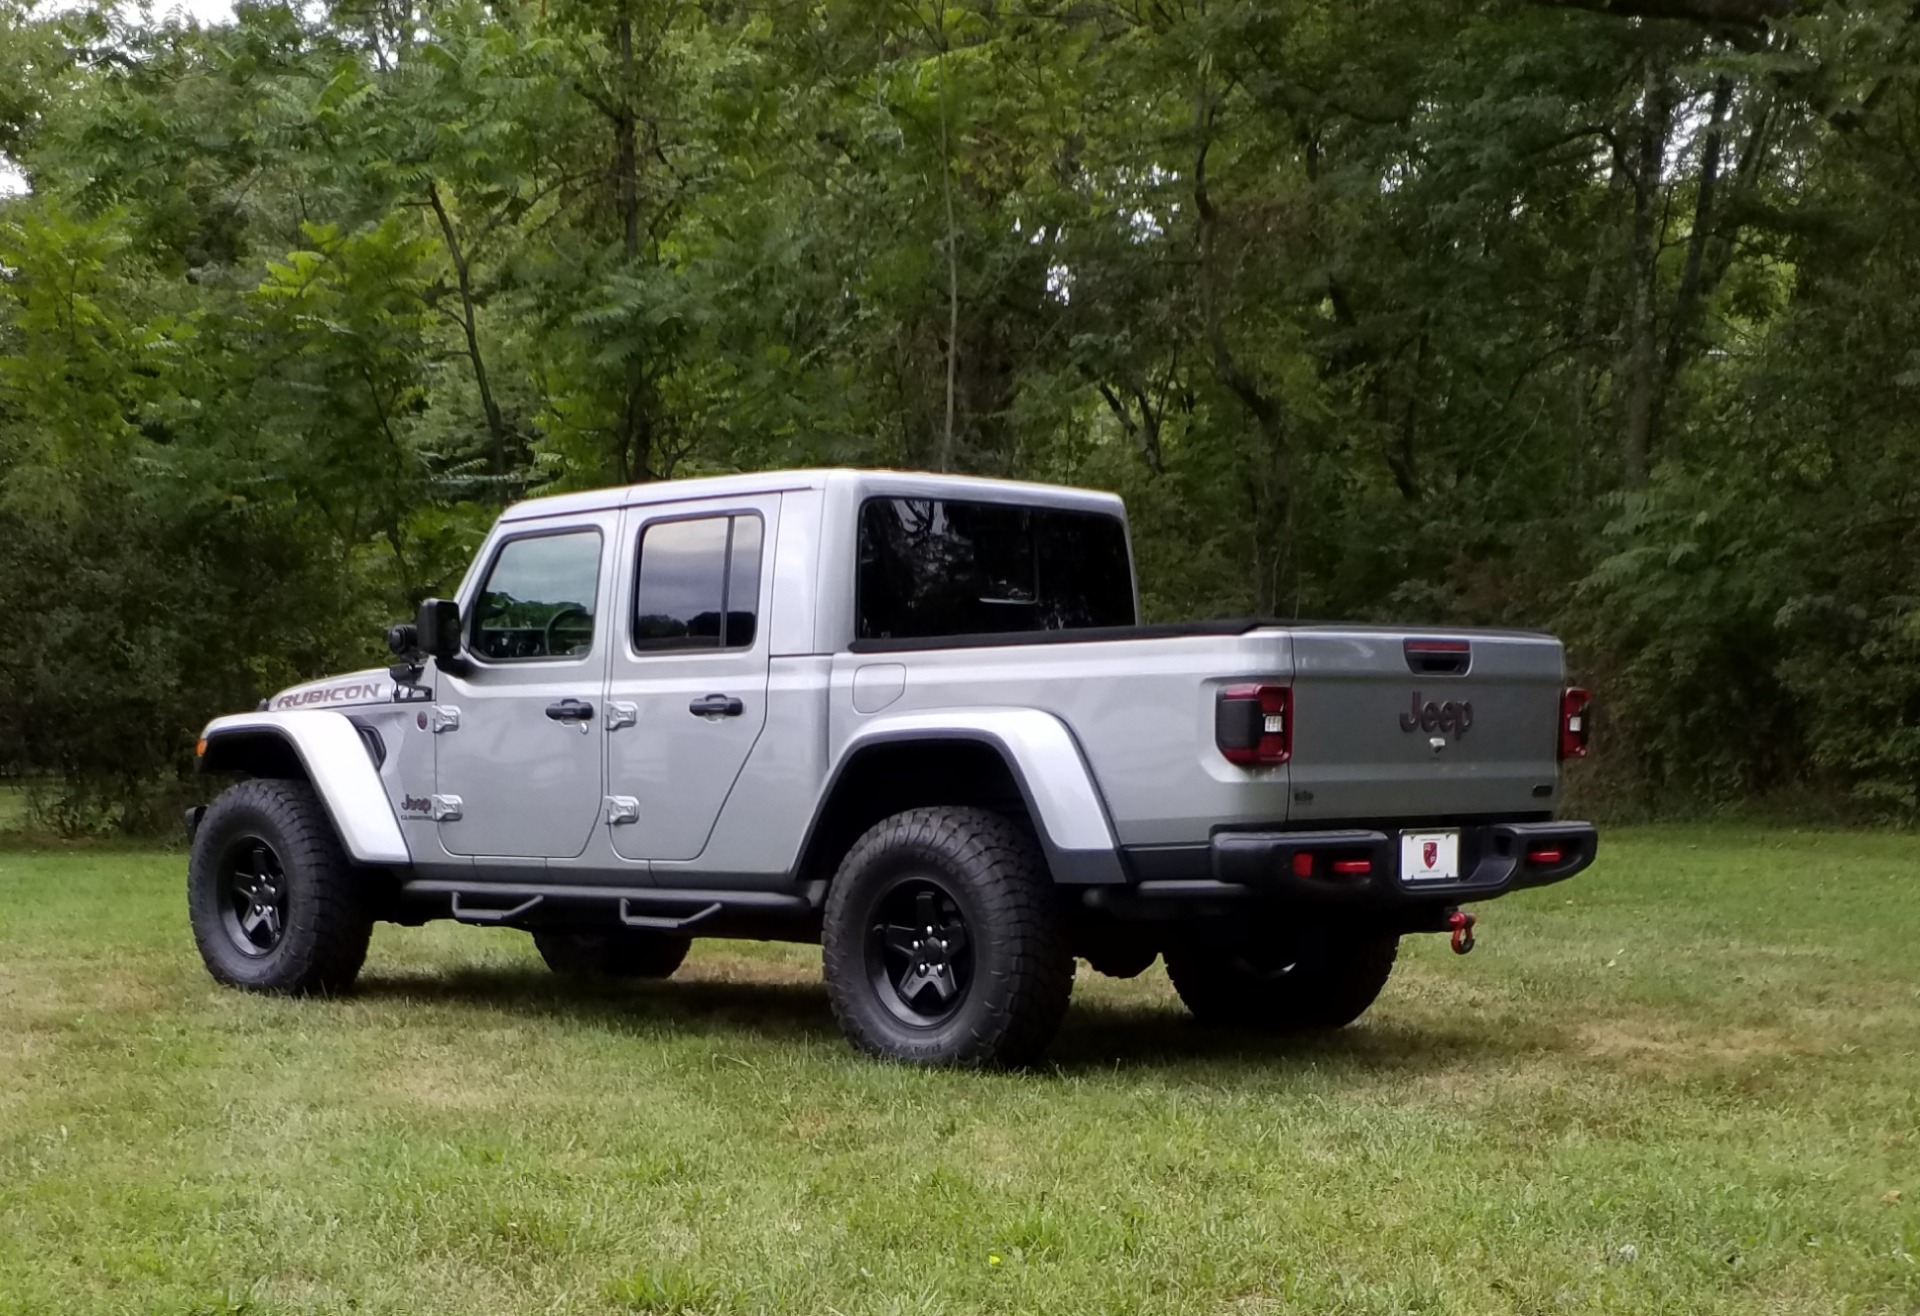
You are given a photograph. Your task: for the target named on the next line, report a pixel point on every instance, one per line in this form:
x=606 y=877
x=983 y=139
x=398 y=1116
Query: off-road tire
x=1020 y=974
x=1330 y=982
x=624 y=954
x=325 y=924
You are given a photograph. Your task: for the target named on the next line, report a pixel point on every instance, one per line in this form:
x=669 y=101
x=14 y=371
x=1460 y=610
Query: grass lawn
x=1686 y=1082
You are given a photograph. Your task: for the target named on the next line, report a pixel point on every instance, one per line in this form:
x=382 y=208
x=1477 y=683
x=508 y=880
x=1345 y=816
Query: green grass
x=1687 y=1082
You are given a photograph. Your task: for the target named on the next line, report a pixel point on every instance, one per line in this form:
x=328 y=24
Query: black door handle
x=570 y=710
x=717 y=706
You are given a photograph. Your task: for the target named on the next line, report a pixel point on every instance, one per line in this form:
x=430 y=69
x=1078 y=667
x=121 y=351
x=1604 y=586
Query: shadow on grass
x=785 y=1010
x=1096 y=1035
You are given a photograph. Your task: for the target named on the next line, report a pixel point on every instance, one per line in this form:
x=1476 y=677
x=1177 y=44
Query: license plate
x=1429 y=856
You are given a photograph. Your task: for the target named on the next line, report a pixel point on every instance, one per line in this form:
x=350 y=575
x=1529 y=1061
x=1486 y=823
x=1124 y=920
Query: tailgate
x=1424 y=724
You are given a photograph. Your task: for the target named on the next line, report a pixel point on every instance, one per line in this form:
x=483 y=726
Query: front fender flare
x=343 y=776
x=1047 y=765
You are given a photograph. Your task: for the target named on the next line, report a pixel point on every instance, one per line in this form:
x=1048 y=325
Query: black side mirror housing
x=438 y=629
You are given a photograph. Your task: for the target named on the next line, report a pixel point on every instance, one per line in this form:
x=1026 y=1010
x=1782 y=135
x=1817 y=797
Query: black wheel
x=628 y=953
x=274 y=903
x=1286 y=982
x=941 y=945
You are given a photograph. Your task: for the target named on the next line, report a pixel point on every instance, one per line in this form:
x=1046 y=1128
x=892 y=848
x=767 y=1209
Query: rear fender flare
x=1046 y=764
x=336 y=762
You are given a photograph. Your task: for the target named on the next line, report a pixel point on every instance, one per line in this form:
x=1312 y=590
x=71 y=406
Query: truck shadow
x=1097 y=1035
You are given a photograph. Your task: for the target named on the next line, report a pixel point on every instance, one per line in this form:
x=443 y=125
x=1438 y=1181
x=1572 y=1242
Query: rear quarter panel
x=1141 y=711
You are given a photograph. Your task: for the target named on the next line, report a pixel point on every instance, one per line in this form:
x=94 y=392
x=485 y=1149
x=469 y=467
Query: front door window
x=538 y=599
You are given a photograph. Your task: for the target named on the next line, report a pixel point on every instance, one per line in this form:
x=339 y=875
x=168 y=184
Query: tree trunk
x=1686 y=300
x=952 y=244
x=634 y=440
x=1641 y=368
x=1271 y=486
x=496 y=426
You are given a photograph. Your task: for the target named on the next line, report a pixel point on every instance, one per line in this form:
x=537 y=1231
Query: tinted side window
x=699 y=584
x=537 y=600
x=935 y=567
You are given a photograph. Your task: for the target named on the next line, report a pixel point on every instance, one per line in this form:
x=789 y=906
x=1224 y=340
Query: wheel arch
x=1013 y=760
x=325 y=750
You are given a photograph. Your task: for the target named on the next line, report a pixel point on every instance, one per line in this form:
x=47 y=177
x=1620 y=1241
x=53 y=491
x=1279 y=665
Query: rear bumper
x=1323 y=868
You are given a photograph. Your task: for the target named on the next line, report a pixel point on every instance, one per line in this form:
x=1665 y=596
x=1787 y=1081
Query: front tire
x=626 y=954
x=1286 y=983
x=941 y=945
x=275 y=904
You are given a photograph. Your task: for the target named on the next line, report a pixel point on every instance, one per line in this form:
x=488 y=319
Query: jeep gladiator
x=914 y=718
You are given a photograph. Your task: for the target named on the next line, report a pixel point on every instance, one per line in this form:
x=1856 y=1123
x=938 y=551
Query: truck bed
x=1141 y=701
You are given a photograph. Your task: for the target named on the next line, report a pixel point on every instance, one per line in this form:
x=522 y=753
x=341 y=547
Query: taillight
x=1253 y=724
x=1575 y=723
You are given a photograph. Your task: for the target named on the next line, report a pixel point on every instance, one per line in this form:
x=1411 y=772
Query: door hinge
x=443 y=717
x=621 y=714
x=444 y=808
x=622 y=809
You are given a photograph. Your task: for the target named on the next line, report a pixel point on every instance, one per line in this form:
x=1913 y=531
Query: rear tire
x=1303 y=983
x=624 y=954
x=941 y=945
x=274 y=903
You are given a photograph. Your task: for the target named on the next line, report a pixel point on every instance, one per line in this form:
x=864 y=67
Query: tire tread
x=328 y=932
x=1018 y=896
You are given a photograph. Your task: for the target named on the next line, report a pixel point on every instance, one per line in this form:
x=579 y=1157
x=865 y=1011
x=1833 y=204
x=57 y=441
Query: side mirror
x=438 y=629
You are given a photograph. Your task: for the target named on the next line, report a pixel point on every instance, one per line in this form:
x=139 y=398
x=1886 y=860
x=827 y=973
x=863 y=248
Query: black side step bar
x=671 y=909
x=469 y=914
x=666 y=923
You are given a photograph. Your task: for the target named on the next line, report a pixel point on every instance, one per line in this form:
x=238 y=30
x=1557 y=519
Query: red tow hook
x=1462 y=924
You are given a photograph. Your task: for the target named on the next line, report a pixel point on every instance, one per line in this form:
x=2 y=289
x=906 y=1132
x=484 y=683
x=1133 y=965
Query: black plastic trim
x=1155 y=863
x=1068 y=635
x=756 y=902
x=1238 y=863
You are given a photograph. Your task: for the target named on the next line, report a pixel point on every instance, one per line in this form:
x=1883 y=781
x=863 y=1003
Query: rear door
x=687 y=687
x=1399 y=724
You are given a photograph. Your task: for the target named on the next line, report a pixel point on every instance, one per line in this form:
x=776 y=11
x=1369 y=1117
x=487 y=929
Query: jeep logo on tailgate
x=1437 y=717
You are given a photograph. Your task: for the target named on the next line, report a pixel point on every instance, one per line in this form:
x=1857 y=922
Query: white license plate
x=1429 y=856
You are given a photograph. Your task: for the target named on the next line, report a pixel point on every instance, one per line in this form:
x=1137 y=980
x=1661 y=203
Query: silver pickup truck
x=914 y=718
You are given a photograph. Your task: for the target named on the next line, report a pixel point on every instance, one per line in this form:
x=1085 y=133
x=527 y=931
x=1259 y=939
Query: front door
x=517 y=765
x=687 y=688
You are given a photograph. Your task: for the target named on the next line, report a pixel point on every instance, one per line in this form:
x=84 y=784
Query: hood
x=372 y=686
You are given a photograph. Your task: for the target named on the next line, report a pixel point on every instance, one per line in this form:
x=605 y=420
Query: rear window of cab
x=937 y=567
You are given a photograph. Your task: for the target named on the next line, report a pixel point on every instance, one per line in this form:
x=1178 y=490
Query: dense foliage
x=1594 y=316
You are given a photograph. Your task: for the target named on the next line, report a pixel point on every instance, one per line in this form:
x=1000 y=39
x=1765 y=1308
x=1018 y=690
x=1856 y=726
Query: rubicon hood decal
x=369 y=687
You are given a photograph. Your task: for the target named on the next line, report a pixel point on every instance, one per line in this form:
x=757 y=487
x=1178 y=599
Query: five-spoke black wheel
x=274 y=902
x=942 y=944
x=919 y=957
x=253 y=890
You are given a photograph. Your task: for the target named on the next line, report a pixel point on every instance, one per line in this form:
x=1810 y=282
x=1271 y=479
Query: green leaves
x=1371 y=311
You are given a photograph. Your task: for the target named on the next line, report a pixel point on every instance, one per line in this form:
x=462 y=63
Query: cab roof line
x=883 y=482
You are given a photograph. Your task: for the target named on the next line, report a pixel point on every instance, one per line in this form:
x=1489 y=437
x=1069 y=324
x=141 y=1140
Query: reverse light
x=1253 y=724
x=1576 y=722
